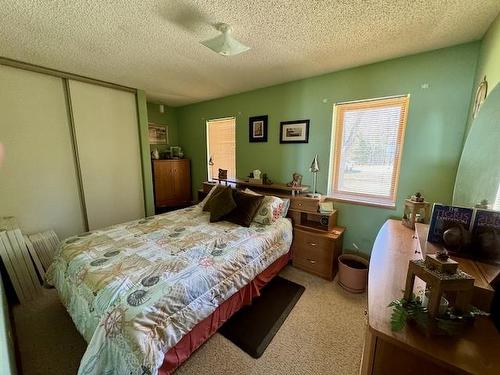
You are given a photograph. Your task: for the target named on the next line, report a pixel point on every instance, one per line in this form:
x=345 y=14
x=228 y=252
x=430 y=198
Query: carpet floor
x=322 y=335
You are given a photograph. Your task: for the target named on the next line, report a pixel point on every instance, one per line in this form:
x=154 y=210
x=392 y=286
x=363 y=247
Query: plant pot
x=353 y=273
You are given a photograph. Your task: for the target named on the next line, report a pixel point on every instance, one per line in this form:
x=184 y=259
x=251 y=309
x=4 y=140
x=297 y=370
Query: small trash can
x=353 y=273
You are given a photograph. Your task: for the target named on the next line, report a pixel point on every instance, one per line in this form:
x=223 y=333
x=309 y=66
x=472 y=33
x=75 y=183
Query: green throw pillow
x=246 y=208
x=221 y=204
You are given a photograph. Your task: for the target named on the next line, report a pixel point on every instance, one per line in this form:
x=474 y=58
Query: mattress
x=134 y=290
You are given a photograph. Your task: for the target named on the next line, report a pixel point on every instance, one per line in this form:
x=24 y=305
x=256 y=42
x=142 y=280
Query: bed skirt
x=207 y=327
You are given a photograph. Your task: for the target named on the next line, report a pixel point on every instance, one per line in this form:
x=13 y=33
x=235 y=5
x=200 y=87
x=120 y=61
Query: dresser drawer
x=307 y=204
x=312 y=244
x=313 y=253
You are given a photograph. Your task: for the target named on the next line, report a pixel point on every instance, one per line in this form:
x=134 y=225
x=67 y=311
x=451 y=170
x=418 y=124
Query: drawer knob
x=313 y=243
x=312 y=261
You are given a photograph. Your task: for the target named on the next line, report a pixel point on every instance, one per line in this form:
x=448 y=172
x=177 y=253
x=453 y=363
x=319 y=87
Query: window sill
x=387 y=206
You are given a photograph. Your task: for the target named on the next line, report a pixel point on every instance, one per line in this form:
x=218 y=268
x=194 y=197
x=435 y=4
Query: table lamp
x=211 y=164
x=314 y=168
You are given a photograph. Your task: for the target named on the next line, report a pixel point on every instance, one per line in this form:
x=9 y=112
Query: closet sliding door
x=107 y=138
x=38 y=179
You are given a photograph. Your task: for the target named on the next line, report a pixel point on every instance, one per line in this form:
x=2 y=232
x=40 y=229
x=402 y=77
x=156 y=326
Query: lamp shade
x=314 y=165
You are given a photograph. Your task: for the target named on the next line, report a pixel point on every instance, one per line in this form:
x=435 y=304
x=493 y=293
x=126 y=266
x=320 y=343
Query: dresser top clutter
x=475 y=351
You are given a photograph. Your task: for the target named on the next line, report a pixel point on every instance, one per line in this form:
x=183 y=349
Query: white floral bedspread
x=134 y=290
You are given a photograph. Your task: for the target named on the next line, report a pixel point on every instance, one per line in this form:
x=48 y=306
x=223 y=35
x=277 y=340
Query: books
x=444 y=217
x=477 y=233
x=326 y=207
x=486 y=234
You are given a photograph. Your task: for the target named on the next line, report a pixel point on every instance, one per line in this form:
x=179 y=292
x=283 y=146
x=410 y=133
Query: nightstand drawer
x=314 y=253
x=310 y=243
x=307 y=204
x=318 y=267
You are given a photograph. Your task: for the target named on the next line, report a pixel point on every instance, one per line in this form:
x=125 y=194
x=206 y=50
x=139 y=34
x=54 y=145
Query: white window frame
x=336 y=138
x=207 y=132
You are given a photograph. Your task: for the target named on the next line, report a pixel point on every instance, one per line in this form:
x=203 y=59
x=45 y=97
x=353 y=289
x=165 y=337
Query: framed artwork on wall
x=257 y=129
x=294 y=131
x=158 y=135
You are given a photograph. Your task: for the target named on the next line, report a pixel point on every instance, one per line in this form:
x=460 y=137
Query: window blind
x=367 y=150
x=221 y=139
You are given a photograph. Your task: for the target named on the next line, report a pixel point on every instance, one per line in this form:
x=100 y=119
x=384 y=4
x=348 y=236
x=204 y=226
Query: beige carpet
x=322 y=335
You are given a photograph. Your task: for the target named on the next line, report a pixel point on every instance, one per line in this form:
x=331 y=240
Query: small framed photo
x=158 y=135
x=294 y=131
x=257 y=127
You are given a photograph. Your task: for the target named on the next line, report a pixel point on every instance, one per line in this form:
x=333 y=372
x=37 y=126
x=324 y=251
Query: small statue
x=155 y=154
x=417 y=197
x=442 y=254
x=266 y=180
x=296 y=180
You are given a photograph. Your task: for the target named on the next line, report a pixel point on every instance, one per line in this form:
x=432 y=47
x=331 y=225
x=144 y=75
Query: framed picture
x=158 y=135
x=294 y=131
x=257 y=127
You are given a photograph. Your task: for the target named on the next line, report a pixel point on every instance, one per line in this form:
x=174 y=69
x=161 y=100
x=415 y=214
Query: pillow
x=246 y=208
x=248 y=191
x=286 y=206
x=211 y=194
x=221 y=204
x=286 y=202
x=269 y=211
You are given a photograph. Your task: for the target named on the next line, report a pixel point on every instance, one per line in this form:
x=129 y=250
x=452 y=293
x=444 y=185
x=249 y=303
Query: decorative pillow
x=286 y=206
x=269 y=211
x=211 y=194
x=248 y=191
x=221 y=204
x=246 y=208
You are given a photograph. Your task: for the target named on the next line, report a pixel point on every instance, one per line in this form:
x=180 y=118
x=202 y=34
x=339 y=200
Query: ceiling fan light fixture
x=225 y=44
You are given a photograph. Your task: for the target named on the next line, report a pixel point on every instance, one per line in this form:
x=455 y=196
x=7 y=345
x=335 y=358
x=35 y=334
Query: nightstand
x=317 y=240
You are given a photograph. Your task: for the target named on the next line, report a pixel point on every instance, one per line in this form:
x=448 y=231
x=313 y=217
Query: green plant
x=450 y=323
x=404 y=310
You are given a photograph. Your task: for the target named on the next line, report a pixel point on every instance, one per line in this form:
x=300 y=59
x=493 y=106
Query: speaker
x=324 y=220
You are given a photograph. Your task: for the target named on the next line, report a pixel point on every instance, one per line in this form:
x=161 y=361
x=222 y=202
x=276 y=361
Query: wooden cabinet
x=317 y=241
x=172 y=182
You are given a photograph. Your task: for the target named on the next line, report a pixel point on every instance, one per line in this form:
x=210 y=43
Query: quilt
x=135 y=289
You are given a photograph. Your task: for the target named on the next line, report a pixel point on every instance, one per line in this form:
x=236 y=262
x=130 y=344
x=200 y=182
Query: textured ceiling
x=154 y=45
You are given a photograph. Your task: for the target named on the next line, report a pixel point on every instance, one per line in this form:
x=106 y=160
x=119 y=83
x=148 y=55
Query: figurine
x=296 y=180
x=417 y=197
x=265 y=180
x=155 y=154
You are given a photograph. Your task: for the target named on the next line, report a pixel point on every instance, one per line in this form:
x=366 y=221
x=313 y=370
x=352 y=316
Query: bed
x=147 y=293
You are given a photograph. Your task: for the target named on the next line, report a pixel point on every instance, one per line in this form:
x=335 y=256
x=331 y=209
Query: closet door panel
x=38 y=179
x=107 y=138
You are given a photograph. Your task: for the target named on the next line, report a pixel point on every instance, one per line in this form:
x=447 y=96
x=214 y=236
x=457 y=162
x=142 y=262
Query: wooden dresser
x=172 y=182
x=476 y=351
x=317 y=240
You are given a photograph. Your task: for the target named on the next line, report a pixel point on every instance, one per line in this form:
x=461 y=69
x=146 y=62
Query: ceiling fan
x=225 y=44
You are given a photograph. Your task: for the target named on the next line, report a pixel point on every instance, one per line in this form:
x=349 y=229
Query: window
x=221 y=147
x=367 y=150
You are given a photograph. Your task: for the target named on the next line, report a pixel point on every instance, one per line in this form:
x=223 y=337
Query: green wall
x=168 y=117
x=434 y=136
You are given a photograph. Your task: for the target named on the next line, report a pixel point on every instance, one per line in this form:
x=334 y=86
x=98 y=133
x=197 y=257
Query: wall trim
x=61 y=74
